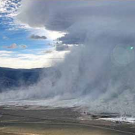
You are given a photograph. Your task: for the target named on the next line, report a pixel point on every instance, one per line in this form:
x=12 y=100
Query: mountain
x=12 y=78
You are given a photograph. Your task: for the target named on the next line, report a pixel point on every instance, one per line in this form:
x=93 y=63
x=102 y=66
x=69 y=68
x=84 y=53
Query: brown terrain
x=38 y=120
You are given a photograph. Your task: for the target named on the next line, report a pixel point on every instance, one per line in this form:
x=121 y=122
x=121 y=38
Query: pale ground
x=55 y=121
x=60 y=130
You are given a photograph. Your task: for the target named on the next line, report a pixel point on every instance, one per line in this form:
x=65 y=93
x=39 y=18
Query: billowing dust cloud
x=100 y=72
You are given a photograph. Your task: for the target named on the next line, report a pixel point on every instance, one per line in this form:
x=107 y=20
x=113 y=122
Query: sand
x=55 y=121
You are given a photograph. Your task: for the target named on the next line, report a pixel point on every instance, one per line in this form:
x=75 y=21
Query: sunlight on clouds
x=5 y=53
x=13 y=60
x=51 y=35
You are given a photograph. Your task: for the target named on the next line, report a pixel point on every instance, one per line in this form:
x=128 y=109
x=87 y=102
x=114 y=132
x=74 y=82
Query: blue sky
x=10 y=34
x=16 y=43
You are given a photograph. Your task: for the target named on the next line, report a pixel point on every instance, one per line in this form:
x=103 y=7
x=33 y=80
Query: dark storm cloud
x=78 y=18
x=61 y=47
x=37 y=37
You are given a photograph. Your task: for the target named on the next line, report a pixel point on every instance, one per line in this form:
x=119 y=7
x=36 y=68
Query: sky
x=24 y=45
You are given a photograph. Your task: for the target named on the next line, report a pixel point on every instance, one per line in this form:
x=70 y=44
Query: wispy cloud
x=15 y=46
x=6 y=53
x=9 y=7
x=28 y=61
x=8 y=10
x=5 y=37
x=23 y=46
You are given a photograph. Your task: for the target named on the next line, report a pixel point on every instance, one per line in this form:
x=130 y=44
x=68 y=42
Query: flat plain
x=38 y=120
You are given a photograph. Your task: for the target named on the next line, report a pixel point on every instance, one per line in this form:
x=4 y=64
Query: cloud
x=61 y=47
x=13 y=46
x=48 y=51
x=28 y=61
x=23 y=46
x=9 y=7
x=100 y=71
x=5 y=53
x=8 y=11
x=81 y=18
x=38 y=37
x=5 y=37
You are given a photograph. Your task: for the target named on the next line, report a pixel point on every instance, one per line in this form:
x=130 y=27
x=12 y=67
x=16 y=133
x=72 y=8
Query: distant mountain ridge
x=11 y=78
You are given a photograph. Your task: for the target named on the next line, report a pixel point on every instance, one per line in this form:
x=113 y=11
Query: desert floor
x=39 y=120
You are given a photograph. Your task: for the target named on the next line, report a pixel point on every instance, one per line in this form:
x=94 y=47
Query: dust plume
x=98 y=73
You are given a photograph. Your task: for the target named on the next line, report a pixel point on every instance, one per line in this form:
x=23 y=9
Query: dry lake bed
x=38 y=120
